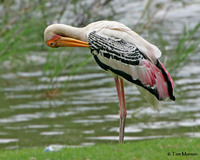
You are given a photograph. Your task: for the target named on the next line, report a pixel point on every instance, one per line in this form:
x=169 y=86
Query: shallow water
x=86 y=111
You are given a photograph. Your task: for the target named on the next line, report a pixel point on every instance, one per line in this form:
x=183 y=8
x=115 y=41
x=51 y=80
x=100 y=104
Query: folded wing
x=126 y=60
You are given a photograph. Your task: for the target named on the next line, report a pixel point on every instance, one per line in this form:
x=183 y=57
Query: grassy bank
x=173 y=148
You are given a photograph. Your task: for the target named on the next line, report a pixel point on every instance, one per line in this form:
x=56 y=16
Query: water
x=86 y=111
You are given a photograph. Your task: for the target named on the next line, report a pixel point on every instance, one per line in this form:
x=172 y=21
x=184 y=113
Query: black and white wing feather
x=125 y=59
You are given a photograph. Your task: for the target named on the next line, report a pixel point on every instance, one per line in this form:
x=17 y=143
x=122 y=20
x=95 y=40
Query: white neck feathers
x=64 y=30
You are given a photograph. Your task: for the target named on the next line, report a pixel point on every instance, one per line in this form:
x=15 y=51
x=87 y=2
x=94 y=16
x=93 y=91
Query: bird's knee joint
x=123 y=114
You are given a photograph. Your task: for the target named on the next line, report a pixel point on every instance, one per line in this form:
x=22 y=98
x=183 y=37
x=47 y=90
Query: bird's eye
x=51 y=44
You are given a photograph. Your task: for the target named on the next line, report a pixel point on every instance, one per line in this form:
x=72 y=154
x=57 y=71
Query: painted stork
x=118 y=49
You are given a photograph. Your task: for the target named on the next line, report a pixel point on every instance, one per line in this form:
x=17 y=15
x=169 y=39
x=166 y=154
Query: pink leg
x=120 y=92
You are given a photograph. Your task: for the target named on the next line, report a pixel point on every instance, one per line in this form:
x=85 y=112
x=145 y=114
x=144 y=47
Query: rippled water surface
x=86 y=111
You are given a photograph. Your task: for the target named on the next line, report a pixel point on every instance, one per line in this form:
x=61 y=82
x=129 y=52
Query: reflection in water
x=86 y=111
x=116 y=138
x=8 y=140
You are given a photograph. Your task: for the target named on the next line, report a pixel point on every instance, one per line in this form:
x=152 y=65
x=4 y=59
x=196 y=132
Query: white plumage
x=116 y=29
x=118 y=49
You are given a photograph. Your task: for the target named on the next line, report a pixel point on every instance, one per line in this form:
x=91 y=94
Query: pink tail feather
x=157 y=78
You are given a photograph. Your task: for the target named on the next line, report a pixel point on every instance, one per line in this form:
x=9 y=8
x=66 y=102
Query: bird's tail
x=168 y=80
x=150 y=98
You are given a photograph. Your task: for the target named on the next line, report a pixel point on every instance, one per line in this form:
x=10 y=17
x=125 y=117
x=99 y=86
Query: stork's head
x=60 y=35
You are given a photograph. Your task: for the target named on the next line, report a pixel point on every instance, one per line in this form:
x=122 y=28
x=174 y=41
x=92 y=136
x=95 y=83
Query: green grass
x=140 y=150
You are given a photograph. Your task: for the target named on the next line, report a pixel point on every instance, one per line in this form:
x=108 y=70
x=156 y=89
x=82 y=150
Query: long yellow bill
x=60 y=41
x=71 y=42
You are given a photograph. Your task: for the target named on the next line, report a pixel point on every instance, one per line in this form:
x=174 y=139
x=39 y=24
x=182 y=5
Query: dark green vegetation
x=179 y=148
